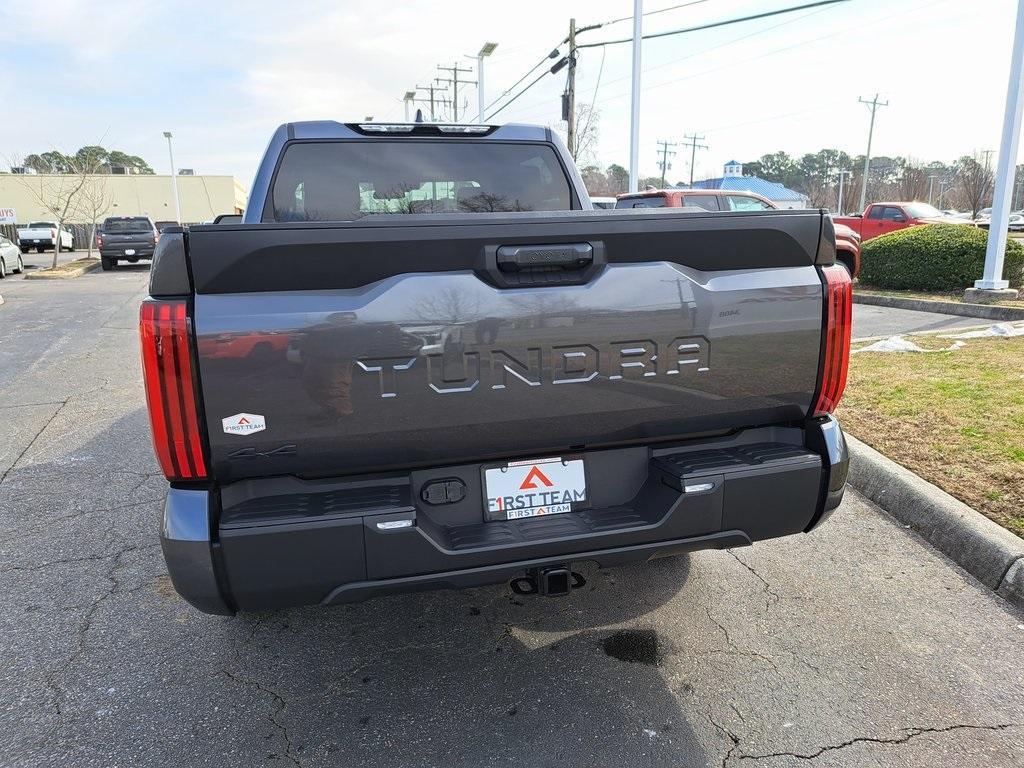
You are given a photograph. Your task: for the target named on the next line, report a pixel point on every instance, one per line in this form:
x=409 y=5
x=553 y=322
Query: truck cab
x=882 y=218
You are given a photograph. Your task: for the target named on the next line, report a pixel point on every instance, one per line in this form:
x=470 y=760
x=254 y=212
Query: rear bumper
x=141 y=252
x=328 y=546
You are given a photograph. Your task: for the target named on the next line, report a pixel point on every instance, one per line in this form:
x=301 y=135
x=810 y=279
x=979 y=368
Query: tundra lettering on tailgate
x=465 y=370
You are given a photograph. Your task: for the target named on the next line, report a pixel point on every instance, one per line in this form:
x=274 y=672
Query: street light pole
x=634 y=118
x=487 y=50
x=992 y=279
x=174 y=176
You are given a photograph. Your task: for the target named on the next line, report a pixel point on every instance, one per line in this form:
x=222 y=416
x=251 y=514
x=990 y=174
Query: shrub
x=934 y=257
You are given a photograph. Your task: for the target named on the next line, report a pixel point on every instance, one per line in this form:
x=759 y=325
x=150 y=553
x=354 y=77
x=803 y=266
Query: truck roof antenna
x=419 y=115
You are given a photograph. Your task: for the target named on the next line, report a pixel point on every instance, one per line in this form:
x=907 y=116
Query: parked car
x=847 y=241
x=481 y=398
x=1014 y=224
x=881 y=218
x=603 y=202
x=708 y=199
x=42 y=235
x=848 y=249
x=10 y=258
x=126 y=238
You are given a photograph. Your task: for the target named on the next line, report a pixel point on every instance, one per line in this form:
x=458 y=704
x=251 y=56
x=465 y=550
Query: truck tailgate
x=401 y=341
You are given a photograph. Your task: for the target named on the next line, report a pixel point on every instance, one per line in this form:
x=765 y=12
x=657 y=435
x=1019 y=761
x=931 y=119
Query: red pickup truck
x=880 y=218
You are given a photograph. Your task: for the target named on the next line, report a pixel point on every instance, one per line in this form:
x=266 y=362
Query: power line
x=542 y=62
x=651 y=13
x=510 y=101
x=715 y=24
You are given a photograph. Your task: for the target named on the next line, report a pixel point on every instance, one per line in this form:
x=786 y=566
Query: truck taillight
x=53 y=234
x=170 y=393
x=99 y=240
x=835 y=357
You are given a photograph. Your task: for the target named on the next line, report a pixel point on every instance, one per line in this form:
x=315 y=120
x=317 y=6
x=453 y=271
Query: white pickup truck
x=42 y=235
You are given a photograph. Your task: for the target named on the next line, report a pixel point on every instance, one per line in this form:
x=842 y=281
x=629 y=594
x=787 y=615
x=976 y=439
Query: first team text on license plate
x=531 y=488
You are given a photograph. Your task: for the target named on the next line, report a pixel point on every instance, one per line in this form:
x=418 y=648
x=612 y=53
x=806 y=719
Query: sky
x=221 y=76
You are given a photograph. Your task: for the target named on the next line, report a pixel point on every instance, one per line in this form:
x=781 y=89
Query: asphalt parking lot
x=857 y=645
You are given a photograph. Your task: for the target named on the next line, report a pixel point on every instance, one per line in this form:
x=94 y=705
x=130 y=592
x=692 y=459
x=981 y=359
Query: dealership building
x=202 y=197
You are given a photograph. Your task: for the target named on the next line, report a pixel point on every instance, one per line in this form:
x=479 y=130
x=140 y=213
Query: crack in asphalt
x=29 y=531
x=728 y=734
x=909 y=733
x=84 y=626
x=33 y=440
x=771 y=593
x=735 y=648
x=274 y=716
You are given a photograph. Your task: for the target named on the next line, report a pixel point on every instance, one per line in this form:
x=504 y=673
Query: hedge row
x=934 y=257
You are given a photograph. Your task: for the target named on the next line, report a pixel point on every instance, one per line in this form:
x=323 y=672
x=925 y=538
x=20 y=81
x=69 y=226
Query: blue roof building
x=734 y=179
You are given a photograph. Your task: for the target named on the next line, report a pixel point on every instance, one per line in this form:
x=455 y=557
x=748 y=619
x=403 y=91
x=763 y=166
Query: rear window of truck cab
x=134 y=224
x=345 y=180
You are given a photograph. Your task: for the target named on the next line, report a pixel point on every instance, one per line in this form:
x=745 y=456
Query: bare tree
x=96 y=201
x=59 y=194
x=973 y=183
x=588 y=120
x=913 y=184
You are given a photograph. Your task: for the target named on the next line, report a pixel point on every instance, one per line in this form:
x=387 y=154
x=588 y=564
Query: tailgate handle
x=516 y=258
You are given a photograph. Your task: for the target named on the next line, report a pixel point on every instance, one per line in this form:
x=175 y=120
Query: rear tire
x=107 y=264
x=3 y=269
x=20 y=267
x=40 y=249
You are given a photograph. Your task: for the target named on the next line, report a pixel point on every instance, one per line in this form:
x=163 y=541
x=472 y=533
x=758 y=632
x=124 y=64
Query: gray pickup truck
x=126 y=238
x=423 y=360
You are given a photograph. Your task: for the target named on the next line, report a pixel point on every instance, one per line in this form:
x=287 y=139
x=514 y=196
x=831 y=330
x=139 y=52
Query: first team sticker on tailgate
x=244 y=423
x=533 y=488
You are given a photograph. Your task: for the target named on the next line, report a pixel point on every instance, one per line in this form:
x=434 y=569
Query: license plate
x=35 y=241
x=533 y=488
x=129 y=251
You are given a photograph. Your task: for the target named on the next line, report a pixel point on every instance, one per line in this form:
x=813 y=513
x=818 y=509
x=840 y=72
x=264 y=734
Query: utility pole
x=992 y=284
x=839 y=201
x=431 y=89
x=455 y=69
x=569 y=99
x=634 y=105
x=874 y=104
x=692 y=141
x=665 y=153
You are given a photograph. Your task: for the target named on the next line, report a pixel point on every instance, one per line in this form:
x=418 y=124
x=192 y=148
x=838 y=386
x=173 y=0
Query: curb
x=984 y=311
x=66 y=275
x=987 y=551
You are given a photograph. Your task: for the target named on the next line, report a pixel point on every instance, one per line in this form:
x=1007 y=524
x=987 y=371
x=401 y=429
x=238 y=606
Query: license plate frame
x=539 y=487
